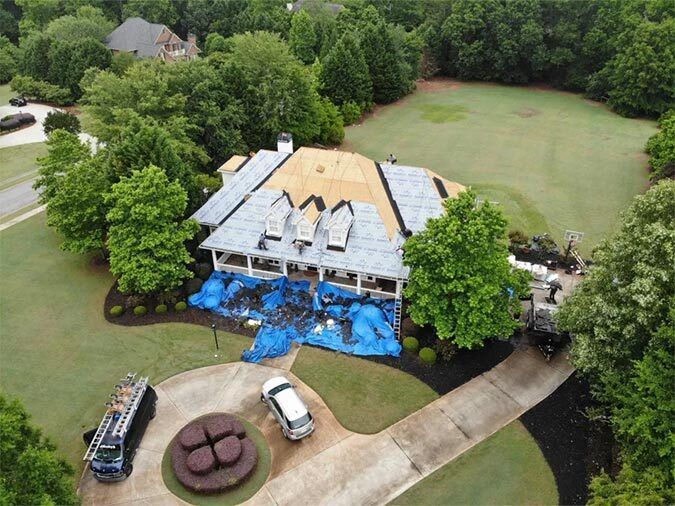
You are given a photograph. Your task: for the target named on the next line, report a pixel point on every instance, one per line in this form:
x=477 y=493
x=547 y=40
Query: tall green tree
x=661 y=148
x=77 y=208
x=302 y=37
x=64 y=151
x=88 y=23
x=344 y=74
x=461 y=281
x=35 y=55
x=147 y=233
x=274 y=89
x=30 y=470
x=386 y=63
x=153 y=11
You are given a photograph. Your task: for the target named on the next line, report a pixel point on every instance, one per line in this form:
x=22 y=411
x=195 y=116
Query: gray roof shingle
x=136 y=34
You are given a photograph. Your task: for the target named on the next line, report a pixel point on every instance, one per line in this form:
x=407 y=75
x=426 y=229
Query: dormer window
x=341 y=220
x=276 y=217
x=308 y=218
x=305 y=231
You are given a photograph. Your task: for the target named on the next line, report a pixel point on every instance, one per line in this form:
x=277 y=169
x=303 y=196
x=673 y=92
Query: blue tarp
x=360 y=325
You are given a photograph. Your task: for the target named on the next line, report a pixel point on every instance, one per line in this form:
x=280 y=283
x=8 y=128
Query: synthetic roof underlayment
x=384 y=200
x=368 y=251
x=248 y=178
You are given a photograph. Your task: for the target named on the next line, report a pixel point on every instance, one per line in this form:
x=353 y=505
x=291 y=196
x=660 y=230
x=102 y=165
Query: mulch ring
x=575 y=447
x=190 y=315
x=442 y=377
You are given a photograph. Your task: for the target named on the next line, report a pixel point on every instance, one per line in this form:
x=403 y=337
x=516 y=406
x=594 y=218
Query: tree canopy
x=461 y=281
x=661 y=148
x=30 y=470
x=147 y=232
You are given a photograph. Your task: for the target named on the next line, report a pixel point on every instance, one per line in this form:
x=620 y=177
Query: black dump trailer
x=112 y=446
x=542 y=328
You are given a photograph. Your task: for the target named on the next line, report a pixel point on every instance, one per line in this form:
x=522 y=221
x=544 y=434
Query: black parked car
x=18 y=101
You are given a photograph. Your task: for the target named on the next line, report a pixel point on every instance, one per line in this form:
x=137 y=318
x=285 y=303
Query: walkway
x=336 y=466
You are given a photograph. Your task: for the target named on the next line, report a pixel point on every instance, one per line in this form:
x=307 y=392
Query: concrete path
x=336 y=466
x=22 y=217
x=17 y=197
x=33 y=133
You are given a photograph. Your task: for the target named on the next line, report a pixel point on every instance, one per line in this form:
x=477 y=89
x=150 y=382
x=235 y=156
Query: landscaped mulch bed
x=575 y=447
x=442 y=376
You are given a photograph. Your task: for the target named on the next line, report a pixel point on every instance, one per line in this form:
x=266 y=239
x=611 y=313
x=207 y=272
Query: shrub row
x=179 y=307
x=412 y=344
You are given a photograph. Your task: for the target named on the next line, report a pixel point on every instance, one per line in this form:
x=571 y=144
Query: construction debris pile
x=285 y=311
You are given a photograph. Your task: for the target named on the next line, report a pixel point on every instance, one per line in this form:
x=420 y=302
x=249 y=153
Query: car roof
x=291 y=404
x=274 y=382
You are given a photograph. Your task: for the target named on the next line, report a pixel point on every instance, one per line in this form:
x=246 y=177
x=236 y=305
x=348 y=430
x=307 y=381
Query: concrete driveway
x=335 y=466
x=34 y=133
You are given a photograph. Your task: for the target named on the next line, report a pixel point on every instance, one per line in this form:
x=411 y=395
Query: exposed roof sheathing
x=233 y=164
x=335 y=176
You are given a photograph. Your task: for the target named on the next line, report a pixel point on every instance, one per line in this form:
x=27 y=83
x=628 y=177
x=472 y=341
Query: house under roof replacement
x=335 y=214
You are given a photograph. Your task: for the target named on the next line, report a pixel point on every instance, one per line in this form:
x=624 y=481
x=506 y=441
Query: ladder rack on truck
x=128 y=395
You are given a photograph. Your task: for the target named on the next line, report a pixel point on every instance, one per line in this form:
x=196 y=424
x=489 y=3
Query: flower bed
x=212 y=454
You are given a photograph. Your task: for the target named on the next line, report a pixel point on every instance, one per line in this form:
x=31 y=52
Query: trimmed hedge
x=180 y=306
x=116 y=311
x=140 y=310
x=207 y=467
x=428 y=355
x=411 y=344
x=161 y=309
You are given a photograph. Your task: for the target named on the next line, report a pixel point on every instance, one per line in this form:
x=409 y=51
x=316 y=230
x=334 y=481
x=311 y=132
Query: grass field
x=61 y=357
x=16 y=161
x=553 y=160
x=364 y=396
x=507 y=468
x=5 y=94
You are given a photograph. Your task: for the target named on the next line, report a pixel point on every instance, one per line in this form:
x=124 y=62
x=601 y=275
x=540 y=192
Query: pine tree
x=345 y=76
x=385 y=63
x=302 y=37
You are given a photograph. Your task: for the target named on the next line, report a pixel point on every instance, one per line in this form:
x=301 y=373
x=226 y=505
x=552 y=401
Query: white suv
x=287 y=407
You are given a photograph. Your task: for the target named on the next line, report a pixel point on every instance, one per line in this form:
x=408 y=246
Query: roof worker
x=391 y=159
x=261 y=241
x=300 y=245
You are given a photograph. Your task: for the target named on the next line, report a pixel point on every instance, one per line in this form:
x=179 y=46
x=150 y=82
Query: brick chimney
x=192 y=38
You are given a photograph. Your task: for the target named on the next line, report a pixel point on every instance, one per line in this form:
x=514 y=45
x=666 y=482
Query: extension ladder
x=127 y=415
x=98 y=437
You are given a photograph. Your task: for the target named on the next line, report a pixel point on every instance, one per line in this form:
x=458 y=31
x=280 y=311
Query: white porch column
x=320 y=273
x=358 y=284
x=214 y=255
x=284 y=268
x=249 y=264
x=399 y=288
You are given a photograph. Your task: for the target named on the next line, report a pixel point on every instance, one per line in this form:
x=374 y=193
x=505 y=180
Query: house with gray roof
x=151 y=40
x=323 y=214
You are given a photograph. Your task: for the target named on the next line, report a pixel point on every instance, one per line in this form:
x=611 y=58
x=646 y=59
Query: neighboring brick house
x=151 y=40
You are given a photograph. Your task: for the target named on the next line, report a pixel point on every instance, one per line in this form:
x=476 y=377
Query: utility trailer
x=542 y=328
x=111 y=446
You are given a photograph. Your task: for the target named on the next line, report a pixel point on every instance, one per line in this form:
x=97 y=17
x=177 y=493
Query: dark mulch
x=190 y=315
x=443 y=376
x=575 y=447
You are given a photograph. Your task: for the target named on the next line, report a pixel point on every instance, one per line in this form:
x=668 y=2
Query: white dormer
x=276 y=217
x=342 y=217
x=306 y=222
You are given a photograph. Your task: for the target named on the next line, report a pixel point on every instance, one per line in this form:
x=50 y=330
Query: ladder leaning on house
x=398 y=310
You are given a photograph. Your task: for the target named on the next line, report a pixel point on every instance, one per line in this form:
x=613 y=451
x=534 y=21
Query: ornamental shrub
x=411 y=344
x=61 y=120
x=116 y=311
x=140 y=310
x=351 y=112
x=161 y=309
x=180 y=306
x=446 y=349
x=428 y=355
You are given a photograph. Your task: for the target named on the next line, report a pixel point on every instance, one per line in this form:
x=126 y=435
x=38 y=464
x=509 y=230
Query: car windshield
x=109 y=453
x=300 y=422
x=279 y=388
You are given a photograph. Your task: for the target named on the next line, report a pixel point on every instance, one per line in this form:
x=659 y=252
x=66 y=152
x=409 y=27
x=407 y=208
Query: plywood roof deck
x=233 y=164
x=335 y=176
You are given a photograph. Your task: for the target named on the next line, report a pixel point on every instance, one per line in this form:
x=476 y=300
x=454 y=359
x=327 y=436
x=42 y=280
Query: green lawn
x=553 y=160
x=364 y=396
x=238 y=494
x=5 y=94
x=16 y=161
x=507 y=468
x=57 y=352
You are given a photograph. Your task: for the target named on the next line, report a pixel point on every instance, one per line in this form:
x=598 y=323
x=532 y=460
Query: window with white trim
x=336 y=237
x=273 y=227
x=304 y=231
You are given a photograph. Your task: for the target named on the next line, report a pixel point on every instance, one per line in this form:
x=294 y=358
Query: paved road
x=335 y=466
x=17 y=197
